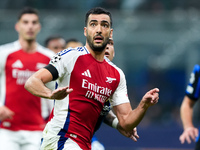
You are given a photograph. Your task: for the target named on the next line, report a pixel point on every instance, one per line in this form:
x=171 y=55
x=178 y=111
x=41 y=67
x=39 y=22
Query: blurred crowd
x=141 y=5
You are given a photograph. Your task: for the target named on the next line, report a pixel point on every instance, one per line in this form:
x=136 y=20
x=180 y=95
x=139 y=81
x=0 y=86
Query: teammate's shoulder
x=6 y=45
x=10 y=46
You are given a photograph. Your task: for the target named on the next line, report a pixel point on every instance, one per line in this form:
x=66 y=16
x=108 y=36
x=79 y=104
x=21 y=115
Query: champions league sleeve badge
x=56 y=58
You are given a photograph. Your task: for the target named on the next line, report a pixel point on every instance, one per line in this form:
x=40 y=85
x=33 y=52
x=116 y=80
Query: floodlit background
x=156 y=43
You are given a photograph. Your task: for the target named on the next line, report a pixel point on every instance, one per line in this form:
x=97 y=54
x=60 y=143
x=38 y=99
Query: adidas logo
x=86 y=73
x=17 y=64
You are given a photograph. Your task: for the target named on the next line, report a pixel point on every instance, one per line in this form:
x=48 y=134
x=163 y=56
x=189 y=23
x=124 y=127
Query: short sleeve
x=120 y=95
x=193 y=87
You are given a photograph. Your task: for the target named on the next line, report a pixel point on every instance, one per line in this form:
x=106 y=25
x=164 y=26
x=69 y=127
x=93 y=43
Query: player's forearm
x=134 y=117
x=36 y=87
x=131 y=118
x=186 y=115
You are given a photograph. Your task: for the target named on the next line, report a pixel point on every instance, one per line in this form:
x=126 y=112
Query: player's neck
x=99 y=56
x=28 y=46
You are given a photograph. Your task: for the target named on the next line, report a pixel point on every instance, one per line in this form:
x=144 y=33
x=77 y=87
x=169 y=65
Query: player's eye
x=105 y=25
x=35 y=22
x=25 y=22
x=92 y=24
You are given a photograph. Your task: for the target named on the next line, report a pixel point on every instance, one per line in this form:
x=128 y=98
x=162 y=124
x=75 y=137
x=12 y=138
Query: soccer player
x=192 y=94
x=107 y=117
x=22 y=115
x=55 y=43
x=86 y=80
x=110 y=52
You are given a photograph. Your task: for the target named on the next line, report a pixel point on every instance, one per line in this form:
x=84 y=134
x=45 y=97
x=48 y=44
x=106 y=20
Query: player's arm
x=128 y=118
x=36 y=85
x=5 y=113
x=112 y=121
x=186 y=112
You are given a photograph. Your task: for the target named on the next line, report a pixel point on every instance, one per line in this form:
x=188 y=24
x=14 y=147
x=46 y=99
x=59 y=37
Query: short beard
x=30 y=40
x=97 y=48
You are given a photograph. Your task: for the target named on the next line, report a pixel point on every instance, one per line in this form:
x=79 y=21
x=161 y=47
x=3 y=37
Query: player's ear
x=40 y=26
x=17 y=26
x=85 y=31
x=111 y=33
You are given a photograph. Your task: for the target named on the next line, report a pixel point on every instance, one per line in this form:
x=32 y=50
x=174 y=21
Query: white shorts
x=20 y=140
x=51 y=142
x=96 y=145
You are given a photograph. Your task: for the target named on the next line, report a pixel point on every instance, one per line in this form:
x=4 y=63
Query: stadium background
x=156 y=44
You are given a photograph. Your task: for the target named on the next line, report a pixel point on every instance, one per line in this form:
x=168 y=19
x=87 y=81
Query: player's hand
x=151 y=97
x=189 y=135
x=5 y=113
x=130 y=134
x=61 y=93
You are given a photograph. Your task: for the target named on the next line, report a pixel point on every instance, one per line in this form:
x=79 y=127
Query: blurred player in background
x=22 y=115
x=77 y=108
x=55 y=43
x=110 y=51
x=192 y=94
x=73 y=42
